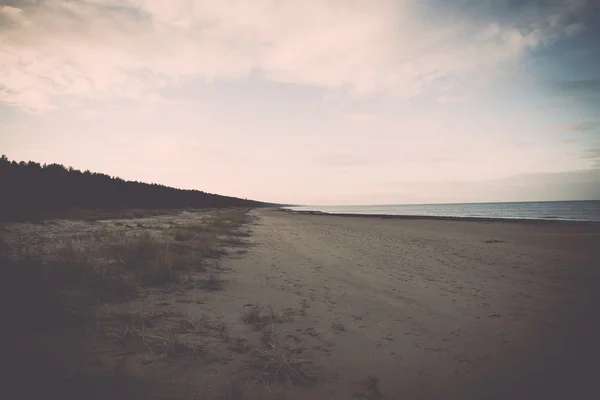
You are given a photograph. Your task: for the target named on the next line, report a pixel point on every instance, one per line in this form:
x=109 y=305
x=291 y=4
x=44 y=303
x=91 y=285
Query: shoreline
x=447 y=218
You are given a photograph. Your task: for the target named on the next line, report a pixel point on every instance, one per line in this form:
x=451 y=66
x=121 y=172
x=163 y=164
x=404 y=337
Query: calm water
x=552 y=210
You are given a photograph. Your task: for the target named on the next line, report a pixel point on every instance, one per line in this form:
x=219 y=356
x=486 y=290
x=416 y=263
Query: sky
x=331 y=102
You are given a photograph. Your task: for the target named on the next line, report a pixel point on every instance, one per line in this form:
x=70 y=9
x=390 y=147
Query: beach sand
x=434 y=309
x=337 y=307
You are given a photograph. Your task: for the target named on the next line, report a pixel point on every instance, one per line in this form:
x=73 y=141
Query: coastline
x=368 y=308
x=445 y=218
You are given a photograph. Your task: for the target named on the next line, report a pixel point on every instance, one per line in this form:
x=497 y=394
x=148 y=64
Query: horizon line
x=440 y=204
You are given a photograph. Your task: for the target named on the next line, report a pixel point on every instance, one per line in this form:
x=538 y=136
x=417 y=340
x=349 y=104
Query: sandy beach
x=300 y=306
x=299 y=200
x=433 y=308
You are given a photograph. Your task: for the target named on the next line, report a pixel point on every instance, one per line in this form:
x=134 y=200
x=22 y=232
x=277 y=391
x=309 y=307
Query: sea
x=539 y=210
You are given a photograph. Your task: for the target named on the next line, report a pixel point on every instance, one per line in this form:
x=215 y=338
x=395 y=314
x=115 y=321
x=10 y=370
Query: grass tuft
x=137 y=330
x=153 y=261
x=281 y=364
x=254 y=317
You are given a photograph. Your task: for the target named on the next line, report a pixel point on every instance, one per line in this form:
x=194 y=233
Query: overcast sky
x=312 y=101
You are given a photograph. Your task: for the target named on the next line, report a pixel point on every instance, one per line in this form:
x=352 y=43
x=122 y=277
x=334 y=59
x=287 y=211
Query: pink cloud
x=133 y=49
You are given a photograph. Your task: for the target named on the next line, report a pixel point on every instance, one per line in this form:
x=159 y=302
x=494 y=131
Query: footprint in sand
x=293 y=338
x=304 y=303
x=311 y=332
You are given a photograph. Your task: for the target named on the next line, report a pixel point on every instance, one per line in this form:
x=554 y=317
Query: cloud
x=574 y=29
x=342 y=160
x=578 y=185
x=583 y=92
x=15 y=126
x=52 y=49
x=593 y=153
x=568 y=185
x=580 y=126
x=579 y=86
x=444 y=159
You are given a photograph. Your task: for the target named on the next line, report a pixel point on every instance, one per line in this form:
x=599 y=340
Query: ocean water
x=547 y=210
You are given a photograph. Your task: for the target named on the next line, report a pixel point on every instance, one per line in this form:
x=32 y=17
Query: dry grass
x=57 y=290
x=159 y=276
x=230 y=220
x=267 y=336
x=254 y=317
x=204 y=327
x=63 y=281
x=279 y=317
x=145 y=250
x=157 y=340
x=58 y=278
x=206 y=245
x=223 y=331
x=233 y=241
x=237 y=216
x=175 y=345
x=281 y=364
x=201 y=247
x=157 y=260
x=152 y=260
x=258 y=316
x=159 y=270
x=182 y=235
x=238 y=233
x=200 y=227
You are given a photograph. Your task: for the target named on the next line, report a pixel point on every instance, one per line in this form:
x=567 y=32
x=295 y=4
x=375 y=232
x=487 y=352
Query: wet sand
x=433 y=308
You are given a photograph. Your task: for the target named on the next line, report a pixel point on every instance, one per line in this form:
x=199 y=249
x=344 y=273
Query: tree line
x=29 y=189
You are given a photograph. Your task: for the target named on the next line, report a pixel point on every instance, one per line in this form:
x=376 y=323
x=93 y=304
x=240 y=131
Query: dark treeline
x=28 y=189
